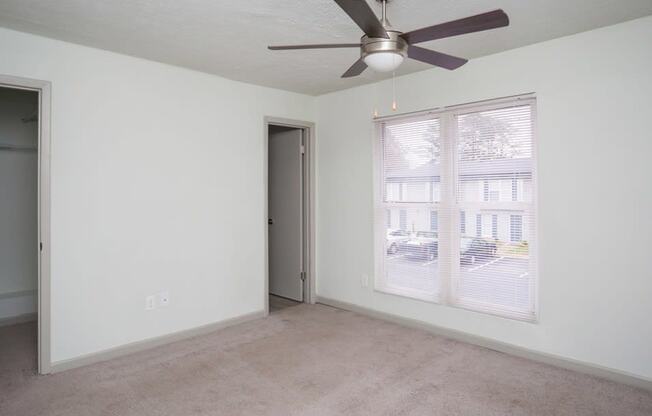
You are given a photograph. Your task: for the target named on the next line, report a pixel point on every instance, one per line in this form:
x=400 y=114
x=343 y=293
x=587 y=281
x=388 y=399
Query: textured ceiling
x=229 y=38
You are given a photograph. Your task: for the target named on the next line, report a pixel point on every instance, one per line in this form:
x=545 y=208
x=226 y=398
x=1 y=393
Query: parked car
x=473 y=250
x=394 y=239
x=423 y=245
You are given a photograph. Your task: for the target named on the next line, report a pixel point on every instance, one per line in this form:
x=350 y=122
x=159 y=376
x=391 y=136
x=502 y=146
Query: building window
x=402 y=219
x=516 y=228
x=433 y=220
x=487 y=151
x=462 y=222
x=478 y=225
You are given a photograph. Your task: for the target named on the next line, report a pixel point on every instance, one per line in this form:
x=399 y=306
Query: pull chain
x=375 y=97
x=394 y=91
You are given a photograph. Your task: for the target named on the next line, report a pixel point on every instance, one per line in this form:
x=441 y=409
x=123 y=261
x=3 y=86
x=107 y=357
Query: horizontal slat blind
x=494 y=195
x=467 y=235
x=411 y=190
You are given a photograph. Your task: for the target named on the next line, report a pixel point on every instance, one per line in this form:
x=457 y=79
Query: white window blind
x=455 y=206
x=410 y=162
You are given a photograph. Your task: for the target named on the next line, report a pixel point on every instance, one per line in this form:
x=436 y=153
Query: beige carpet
x=309 y=360
x=276 y=303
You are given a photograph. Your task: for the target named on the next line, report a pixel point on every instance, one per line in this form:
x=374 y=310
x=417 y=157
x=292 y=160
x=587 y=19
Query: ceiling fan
x=383 y=48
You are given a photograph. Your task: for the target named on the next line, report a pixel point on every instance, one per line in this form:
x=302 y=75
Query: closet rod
x=15 y=148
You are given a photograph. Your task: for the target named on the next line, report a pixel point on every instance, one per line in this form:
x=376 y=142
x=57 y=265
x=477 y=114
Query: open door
x=285 y=221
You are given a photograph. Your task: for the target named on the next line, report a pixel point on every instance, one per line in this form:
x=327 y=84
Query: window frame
x=448 y=209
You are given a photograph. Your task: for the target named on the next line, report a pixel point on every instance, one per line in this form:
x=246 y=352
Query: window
x=402 y=219
x=491 y=190
x=516 y=228
x=410 y=157
x=478 y=225
x=452 y=166
x=462 y=222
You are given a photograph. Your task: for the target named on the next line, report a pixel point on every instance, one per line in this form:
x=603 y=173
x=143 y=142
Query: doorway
x=18 y=222
x=24 y=221
x=289 y=220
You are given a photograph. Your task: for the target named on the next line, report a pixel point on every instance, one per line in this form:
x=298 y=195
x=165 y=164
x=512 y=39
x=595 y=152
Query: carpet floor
x=276 y=303
x=308 y=360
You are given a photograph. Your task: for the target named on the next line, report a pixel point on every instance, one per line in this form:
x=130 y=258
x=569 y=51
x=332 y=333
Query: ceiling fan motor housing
x=394 y=44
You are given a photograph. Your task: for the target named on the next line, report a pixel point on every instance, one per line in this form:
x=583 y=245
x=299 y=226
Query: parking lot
x=501 y=280
x=414 y=273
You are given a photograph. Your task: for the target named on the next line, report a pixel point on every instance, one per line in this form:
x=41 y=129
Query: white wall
x=18 y=213
x=157 y=184
x=594 y=94
x=144 y=157
x=20 y=305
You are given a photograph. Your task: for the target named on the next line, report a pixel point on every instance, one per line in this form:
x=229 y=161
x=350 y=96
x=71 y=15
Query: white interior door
x=285 y=212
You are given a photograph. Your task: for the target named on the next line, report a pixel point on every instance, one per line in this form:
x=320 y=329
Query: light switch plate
x=150 y=302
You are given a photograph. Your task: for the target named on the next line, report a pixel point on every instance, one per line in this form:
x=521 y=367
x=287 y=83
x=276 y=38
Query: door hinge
x=302 y=276
x=40 y=246
x=303 y=149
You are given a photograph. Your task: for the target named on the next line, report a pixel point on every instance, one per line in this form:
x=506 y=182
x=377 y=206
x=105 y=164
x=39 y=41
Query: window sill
x=464 y=304
x=494 y=310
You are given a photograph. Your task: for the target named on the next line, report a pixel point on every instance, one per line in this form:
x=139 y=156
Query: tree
x=483 y=137
x=411 y=145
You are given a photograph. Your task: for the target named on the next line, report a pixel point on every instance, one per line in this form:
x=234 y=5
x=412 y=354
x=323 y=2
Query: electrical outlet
x=364 y=280
x=150 y=302
x=164 y=298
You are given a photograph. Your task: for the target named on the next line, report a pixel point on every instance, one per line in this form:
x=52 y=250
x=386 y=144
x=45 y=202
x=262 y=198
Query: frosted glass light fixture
x=383 y=61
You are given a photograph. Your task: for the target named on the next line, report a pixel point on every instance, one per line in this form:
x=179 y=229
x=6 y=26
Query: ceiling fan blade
x=317 y=46
x=477 y=23
x=356 y=69
x=435 y=58
x=363 y=16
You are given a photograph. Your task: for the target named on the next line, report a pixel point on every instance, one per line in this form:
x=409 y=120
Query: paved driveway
x=502 y=280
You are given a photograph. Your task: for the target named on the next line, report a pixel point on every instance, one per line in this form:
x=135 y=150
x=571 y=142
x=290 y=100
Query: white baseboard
x=17 y=304
x=551 y=359
x=137 y=346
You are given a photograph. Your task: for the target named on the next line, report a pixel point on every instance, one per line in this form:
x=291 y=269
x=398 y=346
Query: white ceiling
x=229 y=37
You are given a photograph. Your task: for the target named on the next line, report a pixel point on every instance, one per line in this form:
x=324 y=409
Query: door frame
x=43 y=88
x=308 y=226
